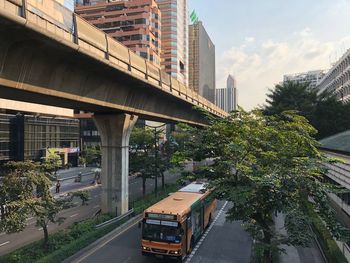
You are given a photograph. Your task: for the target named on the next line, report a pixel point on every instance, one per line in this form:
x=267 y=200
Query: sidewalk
x=297 y=254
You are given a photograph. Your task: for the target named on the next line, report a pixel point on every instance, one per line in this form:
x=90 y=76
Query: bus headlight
x=146 y=248
x=176 y=252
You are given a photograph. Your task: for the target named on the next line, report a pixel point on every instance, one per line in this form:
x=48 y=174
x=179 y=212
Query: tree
x=291 y=95
x=142 y=154
x=176 y=143
x=265 y=165
x=328 y=115
x=21 y=198
x=16 y=192
x=51 y=164
x=164 y=159
x=91 y=155
x=83 y=195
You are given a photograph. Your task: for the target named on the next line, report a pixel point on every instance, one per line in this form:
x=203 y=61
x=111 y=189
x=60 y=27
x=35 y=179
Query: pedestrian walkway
x=293 y=254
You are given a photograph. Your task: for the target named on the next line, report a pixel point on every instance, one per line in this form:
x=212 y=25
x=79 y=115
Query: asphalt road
x=225 y=242
x=32 y=233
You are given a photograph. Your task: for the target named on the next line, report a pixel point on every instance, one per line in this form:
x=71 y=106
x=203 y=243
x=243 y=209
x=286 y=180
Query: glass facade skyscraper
x=174 y=54
x=226 y=98
x=202 y=62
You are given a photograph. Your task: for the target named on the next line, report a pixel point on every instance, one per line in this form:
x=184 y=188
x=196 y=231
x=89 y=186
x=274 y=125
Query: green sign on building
x=194 y=17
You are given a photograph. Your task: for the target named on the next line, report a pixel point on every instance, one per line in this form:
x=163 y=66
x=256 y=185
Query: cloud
x=258 y=66
x=249 y=39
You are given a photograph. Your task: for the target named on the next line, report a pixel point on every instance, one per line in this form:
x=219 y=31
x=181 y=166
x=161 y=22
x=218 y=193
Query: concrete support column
x=115 y=130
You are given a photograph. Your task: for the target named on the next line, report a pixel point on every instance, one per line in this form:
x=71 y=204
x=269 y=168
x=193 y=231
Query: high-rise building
x=226 y=98
x=135 y=23
x=310 y=77
x=337 y=79
x=174 y=21
x=201 y=62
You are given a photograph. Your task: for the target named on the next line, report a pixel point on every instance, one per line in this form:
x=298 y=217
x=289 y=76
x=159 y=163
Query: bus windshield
x=157 y=230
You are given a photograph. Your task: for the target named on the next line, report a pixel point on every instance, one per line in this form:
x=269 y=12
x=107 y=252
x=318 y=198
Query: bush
x=68 y=242
x=34 y=251
x=329 y=246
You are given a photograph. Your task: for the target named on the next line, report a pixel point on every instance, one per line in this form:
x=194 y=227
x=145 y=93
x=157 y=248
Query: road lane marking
x=205 y=234
x=92 y=251
x=74 y=215
x=2 y=234
x=5 y=243
x=128 y=260
x=40 y=228
x=76 y=203
x=96 y=206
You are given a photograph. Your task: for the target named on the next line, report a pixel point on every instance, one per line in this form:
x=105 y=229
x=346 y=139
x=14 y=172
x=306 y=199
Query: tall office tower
x=135 y=23
x=201 y=62
x=174 y=58
x=311 y=77
x=337 y=79
x=226 y=98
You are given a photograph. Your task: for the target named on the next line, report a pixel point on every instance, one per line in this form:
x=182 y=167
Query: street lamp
x=155 y=128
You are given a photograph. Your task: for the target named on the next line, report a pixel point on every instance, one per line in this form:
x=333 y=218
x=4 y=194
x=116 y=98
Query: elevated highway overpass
x=51 y=56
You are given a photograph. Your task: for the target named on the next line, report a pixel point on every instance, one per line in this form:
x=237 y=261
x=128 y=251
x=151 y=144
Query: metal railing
x=55 y=21
x=117 y=219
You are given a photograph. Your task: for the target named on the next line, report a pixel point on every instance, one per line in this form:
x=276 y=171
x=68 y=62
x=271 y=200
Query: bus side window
x=189 y=222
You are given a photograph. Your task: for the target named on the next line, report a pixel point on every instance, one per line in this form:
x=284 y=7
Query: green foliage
x=265 y=165
x=324 y=111
x=83 y=195
x=65 y=243
x=16 y=195
x=91 y=155
x=291 y=96
x=82 y=160
x=142 y=152
x=26 y=191
x=51 y=163
x=329 y=246
x=62 y=244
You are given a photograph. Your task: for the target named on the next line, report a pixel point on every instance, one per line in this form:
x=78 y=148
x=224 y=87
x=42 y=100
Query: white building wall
x=337 y=79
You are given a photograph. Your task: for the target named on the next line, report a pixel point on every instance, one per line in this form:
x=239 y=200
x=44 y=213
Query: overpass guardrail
x=57 y=22
x=116 y=219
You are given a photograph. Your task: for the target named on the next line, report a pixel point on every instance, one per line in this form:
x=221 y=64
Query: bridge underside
x=41 y=70
x=38 y=69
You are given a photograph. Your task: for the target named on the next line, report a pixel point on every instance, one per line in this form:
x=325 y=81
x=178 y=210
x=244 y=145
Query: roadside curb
x=93 y=247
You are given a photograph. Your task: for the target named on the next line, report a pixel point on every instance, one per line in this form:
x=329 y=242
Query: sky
x=259 y=41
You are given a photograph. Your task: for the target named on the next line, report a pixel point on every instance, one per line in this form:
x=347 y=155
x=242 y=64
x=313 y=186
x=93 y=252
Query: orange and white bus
x=171 y=227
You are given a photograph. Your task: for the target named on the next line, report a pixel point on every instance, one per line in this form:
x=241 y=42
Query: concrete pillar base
x=115 y=130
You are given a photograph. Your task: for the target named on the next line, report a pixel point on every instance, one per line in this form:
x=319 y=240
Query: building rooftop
x=337 y=142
